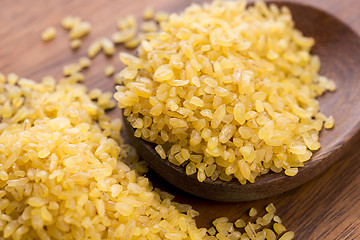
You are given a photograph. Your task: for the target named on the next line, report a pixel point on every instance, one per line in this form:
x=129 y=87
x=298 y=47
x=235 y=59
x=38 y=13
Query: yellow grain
x=148 y=13
x=48 y=34
x=80 y=30
x=124 y=35
x=108 y=46
x=94 y=49
x=109 y=70
x=75 y=44
x=84 y=62
x=68 y=168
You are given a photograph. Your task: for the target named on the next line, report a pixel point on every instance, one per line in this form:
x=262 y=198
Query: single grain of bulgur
x=48 y=34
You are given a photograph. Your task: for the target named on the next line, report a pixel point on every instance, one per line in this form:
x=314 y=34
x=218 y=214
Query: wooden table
x=328 y=207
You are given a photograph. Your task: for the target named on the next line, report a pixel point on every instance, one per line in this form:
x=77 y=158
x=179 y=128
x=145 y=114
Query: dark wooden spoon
x=339 y=49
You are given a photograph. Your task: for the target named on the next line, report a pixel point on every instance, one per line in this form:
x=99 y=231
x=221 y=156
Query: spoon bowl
x=339 y=49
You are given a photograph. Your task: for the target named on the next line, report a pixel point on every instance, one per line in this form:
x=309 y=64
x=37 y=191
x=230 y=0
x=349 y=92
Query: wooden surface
x=328 y=207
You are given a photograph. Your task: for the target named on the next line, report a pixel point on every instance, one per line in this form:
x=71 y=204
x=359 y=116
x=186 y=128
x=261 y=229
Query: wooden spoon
x=339 y=49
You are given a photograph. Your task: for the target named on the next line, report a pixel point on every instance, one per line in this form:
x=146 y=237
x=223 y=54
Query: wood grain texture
x=327 y=207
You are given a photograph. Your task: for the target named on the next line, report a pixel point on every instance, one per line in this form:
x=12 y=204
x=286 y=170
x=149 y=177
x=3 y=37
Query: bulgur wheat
x=235 y=87
x=64 y=172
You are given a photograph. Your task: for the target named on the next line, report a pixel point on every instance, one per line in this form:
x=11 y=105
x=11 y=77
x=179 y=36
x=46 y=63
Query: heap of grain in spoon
x=227 y=92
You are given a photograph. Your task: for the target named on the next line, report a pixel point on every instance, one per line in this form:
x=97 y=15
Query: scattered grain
x=128 y=22
x=253 y=212
x=148 y=13
x=279 y=228
x=109 y=70
x=123 y=35
x=69 y=22
x=48 y=34
x=80 y=30
x=75 y=44
x=108 y=46
x=287 y=236
x=94 y=49
x=84 y=62
x=329 y=122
